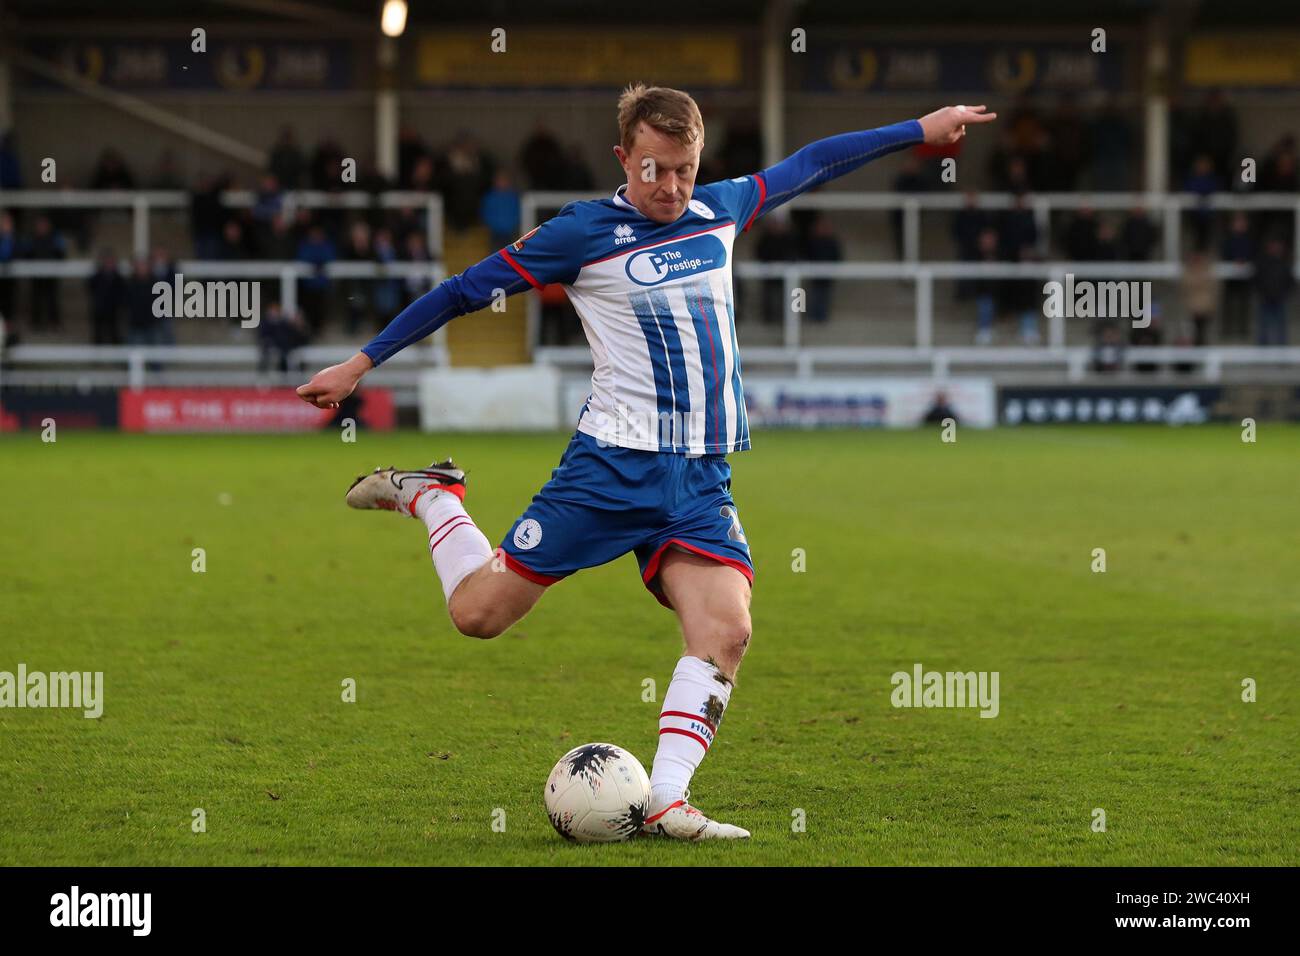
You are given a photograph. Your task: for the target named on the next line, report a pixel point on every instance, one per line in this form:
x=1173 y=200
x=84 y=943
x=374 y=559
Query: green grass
x=1118 y=690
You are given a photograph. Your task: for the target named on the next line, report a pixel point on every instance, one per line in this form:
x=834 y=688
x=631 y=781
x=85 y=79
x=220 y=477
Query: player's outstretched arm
x=544 y=255
x=834 y=156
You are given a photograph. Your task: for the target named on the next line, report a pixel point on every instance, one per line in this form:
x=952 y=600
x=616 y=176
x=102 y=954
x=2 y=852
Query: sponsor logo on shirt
x=676 y=260
x=623 y=234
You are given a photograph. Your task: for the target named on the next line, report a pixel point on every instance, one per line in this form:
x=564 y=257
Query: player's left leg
x=711 y=600
x=698 y=565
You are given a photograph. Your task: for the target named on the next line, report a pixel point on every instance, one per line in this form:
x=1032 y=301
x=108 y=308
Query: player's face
x=660 y=173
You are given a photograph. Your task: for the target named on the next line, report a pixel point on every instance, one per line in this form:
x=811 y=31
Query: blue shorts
x=604 y=501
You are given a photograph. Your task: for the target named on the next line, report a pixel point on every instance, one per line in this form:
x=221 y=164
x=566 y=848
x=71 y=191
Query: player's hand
x=330 y=386
x=946 y=126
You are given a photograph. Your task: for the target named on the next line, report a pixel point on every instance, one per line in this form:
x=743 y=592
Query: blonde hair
x=670 y=111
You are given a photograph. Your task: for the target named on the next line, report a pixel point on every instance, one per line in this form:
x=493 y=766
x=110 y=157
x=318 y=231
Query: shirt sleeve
x=749 y=197
x=550 y=253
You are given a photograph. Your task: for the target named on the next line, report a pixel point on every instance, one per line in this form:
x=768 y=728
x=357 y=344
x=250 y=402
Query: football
x=598 y=793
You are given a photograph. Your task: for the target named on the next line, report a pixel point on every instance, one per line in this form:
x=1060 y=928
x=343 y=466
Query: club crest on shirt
x=528 y=535
x=518 y=244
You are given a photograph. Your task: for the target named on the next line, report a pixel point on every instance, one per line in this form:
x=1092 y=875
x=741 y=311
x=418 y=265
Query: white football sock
x=693 y=708
x=457 y=546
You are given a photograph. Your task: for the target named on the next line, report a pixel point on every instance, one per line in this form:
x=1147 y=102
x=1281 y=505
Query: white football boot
x=391 y=490
x=681 y=821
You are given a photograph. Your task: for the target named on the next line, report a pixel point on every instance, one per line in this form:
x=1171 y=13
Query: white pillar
x=772 y=88
x=387 y=109
x=1156 y=107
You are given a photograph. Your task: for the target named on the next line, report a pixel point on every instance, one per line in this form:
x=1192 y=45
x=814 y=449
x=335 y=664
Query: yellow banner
x=1265 y=59
x=570 y=59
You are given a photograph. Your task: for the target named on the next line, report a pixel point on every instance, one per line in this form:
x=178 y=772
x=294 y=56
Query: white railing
x=922 y=274
x=1170 y=206
x=287 y=271
x=143 y=203
x=941 y=363
x=139 y=366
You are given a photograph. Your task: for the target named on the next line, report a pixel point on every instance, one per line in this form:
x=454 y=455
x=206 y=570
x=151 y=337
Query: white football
x=598 y=793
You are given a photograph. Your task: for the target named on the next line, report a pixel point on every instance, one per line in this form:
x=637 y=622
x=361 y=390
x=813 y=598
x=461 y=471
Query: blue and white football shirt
x=655 y=299
x=656 y=303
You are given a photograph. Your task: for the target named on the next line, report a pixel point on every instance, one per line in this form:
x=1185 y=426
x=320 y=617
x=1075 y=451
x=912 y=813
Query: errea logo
x=623 y=234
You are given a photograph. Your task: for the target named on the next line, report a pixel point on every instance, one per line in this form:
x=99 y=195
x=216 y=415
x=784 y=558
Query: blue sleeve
x=749 y=197
x=550 y=253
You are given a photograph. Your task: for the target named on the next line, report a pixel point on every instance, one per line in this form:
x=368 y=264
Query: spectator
x=1204 y=182
x=410 y=150
x=162 y=268
x=268 y=202
x=278 y=335
x=1081 y=236
x=777 y=243
x=822 y=245
x=543 y=160
x=1278 y=175
x=1182 y=138
x=357 y=291
x=142 y=326
x=1274 y=283
x=1238 y=249
x=8 y=253
x=111 y=172
x=416 y=251
x=967 y=226
x=234 y=243
x=327 y=166
x=1018 y=242
x=464 y=175
x=107 y=298
x=986 y=289
x=280 y=242
x=319 y=251
x=387 y=294
x=1200 y=295
x=287 y=162
x=208 y=215
x=46 y=243
x=909 y=181
x=71 y=221
x=500 y=210
x=1137 y=238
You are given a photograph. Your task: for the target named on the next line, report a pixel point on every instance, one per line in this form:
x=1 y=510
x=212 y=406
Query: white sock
x=693 y=708
x=457 y=546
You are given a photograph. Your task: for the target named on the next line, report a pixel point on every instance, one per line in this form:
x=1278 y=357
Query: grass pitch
x=1118 y=690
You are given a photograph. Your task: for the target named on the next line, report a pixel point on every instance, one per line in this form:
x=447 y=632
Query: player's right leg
x=484 y=596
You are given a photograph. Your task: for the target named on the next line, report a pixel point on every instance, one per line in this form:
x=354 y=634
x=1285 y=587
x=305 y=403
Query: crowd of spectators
x=1039 y=148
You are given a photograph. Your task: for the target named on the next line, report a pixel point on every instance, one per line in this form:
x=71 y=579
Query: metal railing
x=1170 y=207
x=139 y=366
x=142 y=203
x=287 y=271
x=942 y=362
